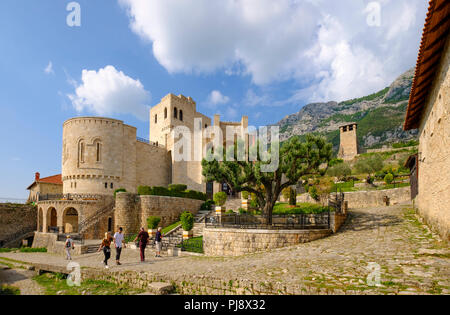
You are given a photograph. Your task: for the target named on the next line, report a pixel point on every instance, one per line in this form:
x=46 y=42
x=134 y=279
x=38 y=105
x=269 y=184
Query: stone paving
x=411 y=260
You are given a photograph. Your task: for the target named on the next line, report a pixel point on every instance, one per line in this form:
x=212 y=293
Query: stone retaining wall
x=50 y=241
x=15 y=218
x=235 y=242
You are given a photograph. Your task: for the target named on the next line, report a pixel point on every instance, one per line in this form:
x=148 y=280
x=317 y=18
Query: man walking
x=158 y=244
x=143 y=240
x=118 y=244
x=69 y=245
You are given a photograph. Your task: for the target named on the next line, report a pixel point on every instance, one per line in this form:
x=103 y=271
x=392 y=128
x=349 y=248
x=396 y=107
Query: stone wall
x=370 y=198
x=15 y=218
x=132 y=210
x=50 y=241
x=433 y=200
x=235 y=242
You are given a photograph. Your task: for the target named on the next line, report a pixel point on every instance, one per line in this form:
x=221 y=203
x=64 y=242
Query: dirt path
x=21 y=279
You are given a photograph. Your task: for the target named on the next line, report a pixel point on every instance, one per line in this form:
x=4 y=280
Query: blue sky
x=261 y=58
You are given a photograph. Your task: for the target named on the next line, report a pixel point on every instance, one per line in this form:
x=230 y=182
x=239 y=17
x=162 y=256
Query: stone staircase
x=233 y=203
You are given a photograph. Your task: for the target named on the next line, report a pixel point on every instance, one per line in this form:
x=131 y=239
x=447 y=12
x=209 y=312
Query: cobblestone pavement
x=411 y=259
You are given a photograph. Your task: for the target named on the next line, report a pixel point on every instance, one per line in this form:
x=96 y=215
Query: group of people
x=118 y=241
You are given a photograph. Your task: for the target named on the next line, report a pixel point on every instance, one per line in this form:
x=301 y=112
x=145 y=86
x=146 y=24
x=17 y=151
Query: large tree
x=296 y=159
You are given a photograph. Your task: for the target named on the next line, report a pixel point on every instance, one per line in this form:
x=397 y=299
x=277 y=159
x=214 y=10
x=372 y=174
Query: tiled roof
x=434 y=38
x=55 y=179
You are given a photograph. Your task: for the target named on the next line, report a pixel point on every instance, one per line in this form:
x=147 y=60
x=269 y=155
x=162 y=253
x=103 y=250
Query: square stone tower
x=348 y=148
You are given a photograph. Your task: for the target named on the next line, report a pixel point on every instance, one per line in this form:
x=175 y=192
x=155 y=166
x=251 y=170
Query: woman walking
x=106 y=246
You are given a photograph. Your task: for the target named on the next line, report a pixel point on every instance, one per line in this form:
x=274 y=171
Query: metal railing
x=76 y=238
x=279 y=222
x=143 y=140
x=45 y=197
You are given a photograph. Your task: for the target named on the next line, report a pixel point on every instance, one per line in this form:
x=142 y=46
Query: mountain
x=379 y=116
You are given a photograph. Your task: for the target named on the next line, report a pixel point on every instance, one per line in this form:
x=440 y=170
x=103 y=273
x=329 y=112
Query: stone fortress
x=100 y=155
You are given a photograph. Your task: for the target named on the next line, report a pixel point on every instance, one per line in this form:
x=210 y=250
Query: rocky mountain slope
x=379 y=116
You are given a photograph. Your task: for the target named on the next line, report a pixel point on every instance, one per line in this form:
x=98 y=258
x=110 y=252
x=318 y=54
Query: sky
x=117 y=58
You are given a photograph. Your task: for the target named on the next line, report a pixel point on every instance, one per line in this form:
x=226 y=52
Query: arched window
x=165 y=113
x=81 y=151
x=181 y=115
x=175 y=113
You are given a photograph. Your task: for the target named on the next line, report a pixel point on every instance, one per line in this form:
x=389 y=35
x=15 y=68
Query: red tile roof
x=434 y=38
x=55 y=179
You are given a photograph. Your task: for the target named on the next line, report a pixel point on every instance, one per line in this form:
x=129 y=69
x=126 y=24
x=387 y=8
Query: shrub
x=152 y=222
x=207 y=205
x=242 y=211
x=245 y=194
x=187 y=220
x=292 y=197
x=286 y=193
x=9 y=290
x=119 y=190
x=341 y=171
x=144 y=190
x=334 y=162
x=388 y=178
x=33 y=250
x=231 y=211
x=177 y=187
x=220 y=198
x=313 y=193
x=160 y=191
x=193 y=194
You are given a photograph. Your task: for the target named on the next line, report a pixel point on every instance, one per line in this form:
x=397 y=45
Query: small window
x=344 y=128
x=75 y=184
x=156 y=119
x=181 y=115
x=98 y=151
x=175 y=113
x=111 y=185
x=106 y=185
x=206 y=126
x=71 y=185
x=350 y=128
x=82 y=152
x=165 y=113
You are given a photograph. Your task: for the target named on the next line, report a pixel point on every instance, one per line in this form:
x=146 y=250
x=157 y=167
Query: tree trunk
x=268 y=209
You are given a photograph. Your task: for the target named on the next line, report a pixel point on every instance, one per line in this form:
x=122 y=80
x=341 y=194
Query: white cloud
x=109 y=91
x=217 y=98
x=326 y=45
x=49 y=68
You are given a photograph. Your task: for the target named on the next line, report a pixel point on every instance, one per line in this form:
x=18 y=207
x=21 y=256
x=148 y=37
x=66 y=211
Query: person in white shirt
x=118 y=244
x=68 y=246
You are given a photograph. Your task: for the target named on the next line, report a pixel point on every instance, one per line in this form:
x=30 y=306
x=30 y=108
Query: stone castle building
x=348 y=148
x=100 y=155
x=429 y=111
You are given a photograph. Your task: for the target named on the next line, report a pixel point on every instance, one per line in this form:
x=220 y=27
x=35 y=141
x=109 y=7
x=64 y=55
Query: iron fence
x=76 y=238
x=278 y=222
x=44 y=197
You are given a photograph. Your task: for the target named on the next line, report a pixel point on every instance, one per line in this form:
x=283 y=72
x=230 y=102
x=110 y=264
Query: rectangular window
x=112 y=185
x=98 y=152
x=106 y=185
x=156 y=119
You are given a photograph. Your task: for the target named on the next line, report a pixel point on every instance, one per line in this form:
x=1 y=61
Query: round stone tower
x=92 y=155
x=126 y=213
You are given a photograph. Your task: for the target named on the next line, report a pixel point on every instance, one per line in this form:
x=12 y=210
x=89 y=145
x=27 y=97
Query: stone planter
x=188 y=234
x=173 y=252
x=220 y=210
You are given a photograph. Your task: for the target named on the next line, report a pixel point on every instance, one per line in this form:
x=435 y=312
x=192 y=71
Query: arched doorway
x=40 y=225
x=70 y=220
x=52 y=220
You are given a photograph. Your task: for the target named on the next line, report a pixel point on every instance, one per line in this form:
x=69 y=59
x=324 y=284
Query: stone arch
x=52 y=220
x=40 y=223
x=70 y=219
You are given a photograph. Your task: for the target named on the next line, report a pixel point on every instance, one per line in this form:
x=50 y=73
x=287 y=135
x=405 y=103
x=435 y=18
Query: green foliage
x=292 y=197
x=33 y=250
x=9 y=290
x=169 y=228
x=341 y=171
x=388 y=178
x=245 y=194
x=177 y=187
x=366 y=98
x=220 y=198
x=207 y=205
x=286 y=193
x=242 y=211
x=306 y=208
x=313 y=193
x=152 y=222
x=230 y=211
x=194 y=245
x=174 y=192
x=409 y=143
x=119 y=190
x=144 y=190
x=334 y=162
x=369 y=165
x=187 y=220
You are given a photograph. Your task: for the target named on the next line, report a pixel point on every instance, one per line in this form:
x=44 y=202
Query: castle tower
x=348 y=148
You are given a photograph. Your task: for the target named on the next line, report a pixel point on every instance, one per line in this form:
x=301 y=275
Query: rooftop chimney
x=37 y=176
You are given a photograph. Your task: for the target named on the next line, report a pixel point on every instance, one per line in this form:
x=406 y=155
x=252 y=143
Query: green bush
x=177 y=187
x=207 y=205
x=152 y=222
x=119 y=190
x=161 y=191
x=220 y=198
x=388 y=178
x=313 y=193
x=245 y=195
x=193 y=194
x=187 y=220
x=9 y=290
x=230 y=211
x=144 y=190
x=242 y=211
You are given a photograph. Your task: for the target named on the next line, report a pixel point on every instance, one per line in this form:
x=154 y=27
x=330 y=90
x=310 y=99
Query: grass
x=170 y=227
x=55 y=284
x=194 y=244
x=9 y=290
x=24 y=250
x=350 y=186
x=306 y=208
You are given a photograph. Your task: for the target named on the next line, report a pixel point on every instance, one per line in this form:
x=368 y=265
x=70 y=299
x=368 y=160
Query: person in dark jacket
x=158 y=242
x=143 y=241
